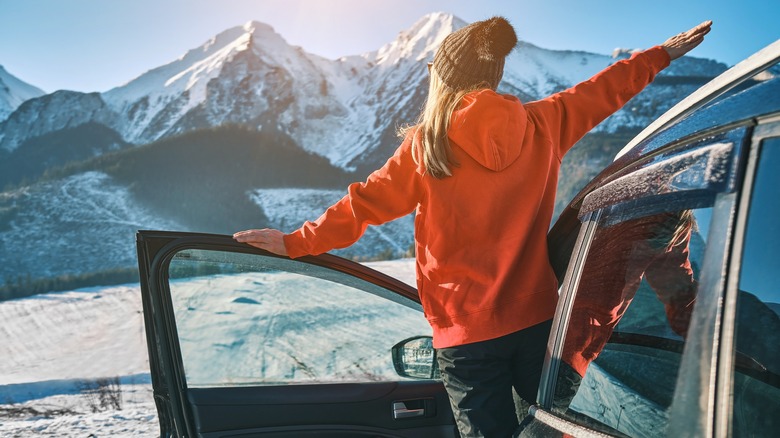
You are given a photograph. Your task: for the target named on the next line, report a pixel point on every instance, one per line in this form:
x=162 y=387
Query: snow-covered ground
x=53 y=345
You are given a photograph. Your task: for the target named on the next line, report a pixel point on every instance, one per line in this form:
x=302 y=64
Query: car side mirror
x=415 y=358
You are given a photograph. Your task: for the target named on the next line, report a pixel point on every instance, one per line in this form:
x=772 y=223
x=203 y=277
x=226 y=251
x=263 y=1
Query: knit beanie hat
x=475 y=53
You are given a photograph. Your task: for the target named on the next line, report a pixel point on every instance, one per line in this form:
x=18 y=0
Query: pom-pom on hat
x=475 y=53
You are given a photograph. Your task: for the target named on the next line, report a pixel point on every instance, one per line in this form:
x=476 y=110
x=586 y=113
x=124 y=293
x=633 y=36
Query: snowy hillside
x=83 y=223
x=54 y=341
x=288 y=209
x=14 y=91
x=87 y=223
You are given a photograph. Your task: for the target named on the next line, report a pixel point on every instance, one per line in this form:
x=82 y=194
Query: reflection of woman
x=480 y=170
x=654 y=248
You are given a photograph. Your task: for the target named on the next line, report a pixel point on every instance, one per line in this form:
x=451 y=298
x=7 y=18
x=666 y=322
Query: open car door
x=246 y=343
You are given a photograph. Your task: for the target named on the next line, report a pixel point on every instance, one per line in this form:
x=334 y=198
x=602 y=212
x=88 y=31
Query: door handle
x=413 y=409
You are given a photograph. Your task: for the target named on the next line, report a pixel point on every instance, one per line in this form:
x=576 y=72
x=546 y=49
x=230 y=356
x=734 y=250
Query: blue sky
x=95 y=45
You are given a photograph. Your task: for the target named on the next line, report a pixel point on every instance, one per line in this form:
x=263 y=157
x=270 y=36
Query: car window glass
x=629 y=320
x=245 y=319
x=756 y=411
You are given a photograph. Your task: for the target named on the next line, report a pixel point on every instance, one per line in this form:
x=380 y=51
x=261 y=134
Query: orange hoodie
x=481 y=234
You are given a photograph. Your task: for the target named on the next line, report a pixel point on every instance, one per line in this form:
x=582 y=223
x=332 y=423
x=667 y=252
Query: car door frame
x=767 y=127
x=174 y=401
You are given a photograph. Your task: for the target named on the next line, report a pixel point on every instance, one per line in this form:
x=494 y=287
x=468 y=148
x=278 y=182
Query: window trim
x=563 y=311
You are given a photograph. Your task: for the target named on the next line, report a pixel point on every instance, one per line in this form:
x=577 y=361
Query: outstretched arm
x=388 y=193
x=570 y=114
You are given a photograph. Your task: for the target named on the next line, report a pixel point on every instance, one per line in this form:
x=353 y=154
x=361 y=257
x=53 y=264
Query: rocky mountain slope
x=14 y=91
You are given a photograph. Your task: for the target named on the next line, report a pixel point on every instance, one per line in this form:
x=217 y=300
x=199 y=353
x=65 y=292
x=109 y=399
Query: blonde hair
x=430 y=139
x=682 y=232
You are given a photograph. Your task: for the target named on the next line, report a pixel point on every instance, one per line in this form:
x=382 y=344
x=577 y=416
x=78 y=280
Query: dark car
x=667 y=322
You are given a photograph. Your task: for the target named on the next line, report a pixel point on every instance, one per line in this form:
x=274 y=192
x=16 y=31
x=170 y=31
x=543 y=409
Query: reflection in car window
x=629 y=320
x=245 y=319
x=756 y=411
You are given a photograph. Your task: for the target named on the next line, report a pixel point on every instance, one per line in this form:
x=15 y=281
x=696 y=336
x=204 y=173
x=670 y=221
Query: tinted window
x=756 y=409
x=245 y=319
x=630 y=318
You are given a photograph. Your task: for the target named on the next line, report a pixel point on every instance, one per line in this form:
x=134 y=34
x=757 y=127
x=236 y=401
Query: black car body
x=667 y=323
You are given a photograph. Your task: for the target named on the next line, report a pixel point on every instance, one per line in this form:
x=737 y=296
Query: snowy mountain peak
x=258 y=27
x=14 y=91
x=263 y=35
x=420 y=41
x=160 y=97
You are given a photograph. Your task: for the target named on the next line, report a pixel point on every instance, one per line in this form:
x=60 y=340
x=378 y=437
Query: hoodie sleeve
x=387 y=194
x=570 y=114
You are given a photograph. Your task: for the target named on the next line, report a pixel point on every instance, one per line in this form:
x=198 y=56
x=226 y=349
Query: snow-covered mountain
x=341 y=109
x=14 y=91
x=250 y=75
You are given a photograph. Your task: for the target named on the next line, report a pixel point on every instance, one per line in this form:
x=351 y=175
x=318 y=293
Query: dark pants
x=479 y=378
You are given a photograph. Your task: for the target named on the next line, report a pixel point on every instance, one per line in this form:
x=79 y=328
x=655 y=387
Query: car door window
x=629 y=320
x=639 y=304
x=756 y=411
x=246 y=319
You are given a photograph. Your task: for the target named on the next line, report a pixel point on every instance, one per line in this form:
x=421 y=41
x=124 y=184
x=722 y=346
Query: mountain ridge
x=339 y=108
x=13 y=92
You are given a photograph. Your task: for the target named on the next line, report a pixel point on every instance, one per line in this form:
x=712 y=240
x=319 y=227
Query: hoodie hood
x=489 y=127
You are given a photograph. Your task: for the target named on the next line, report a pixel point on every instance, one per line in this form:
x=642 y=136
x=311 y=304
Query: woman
x=480 y=170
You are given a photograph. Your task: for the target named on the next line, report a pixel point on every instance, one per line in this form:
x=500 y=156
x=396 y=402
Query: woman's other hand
x=268 y=239
x=683 y=43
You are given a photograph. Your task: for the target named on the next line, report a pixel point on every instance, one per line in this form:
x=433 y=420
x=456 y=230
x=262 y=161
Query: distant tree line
x=27 y=163
x=24 y=285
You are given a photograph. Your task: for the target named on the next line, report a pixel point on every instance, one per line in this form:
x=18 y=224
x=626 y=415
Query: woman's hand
x=268 y=239
x=683 y=43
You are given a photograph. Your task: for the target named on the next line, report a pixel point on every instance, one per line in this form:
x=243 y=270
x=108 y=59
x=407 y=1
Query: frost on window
x=705 y=169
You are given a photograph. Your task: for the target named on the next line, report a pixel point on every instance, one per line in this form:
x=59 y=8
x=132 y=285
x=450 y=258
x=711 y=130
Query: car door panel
x=245 y=343
x=312 y=408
